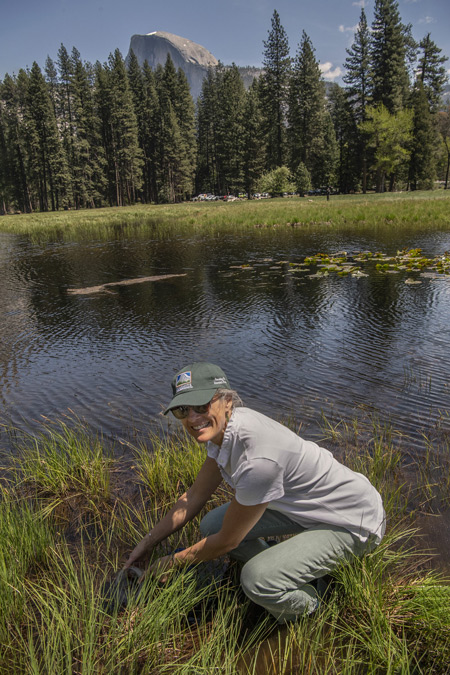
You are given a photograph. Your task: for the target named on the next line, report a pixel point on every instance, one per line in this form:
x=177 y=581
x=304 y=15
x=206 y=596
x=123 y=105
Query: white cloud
x=348 y=29
x=427 y=19
x=328 y=72
x=360 y=3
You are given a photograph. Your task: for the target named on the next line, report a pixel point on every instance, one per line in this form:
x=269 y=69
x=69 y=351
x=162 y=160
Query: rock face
x=192 y=58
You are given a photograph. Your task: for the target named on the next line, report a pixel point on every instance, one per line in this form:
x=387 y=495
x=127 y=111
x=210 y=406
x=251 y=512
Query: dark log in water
x=103 y=288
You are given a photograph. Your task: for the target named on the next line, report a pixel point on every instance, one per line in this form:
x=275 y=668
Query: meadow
x=411 y=209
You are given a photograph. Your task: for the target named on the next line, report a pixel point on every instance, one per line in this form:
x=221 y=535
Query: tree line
x=77 y=135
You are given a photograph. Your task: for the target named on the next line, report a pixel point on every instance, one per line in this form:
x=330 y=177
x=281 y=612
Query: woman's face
x=208 y=426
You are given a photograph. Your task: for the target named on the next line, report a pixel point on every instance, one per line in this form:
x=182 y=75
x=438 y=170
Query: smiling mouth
x=201 y=426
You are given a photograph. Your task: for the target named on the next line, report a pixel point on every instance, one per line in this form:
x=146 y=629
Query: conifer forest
x=79 y=135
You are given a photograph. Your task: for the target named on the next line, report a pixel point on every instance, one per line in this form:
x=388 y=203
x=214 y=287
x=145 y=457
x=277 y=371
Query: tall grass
x=416 y=210
x=67 y=469
x=24 y=542
x=387 y=613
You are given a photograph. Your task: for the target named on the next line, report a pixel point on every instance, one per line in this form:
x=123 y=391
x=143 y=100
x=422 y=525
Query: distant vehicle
x=322 y=191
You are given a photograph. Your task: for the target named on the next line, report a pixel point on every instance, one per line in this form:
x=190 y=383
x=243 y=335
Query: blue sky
x=233 y=31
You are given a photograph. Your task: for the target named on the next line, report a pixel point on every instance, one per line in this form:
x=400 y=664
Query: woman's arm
x=186 y=508
x=237 y=523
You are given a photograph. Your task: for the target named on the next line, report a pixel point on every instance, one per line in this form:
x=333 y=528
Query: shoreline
x=412 y=209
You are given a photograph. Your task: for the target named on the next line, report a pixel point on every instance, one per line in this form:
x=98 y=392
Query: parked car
x=323 y=191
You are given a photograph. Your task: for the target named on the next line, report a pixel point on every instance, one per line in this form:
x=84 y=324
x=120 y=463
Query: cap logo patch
x=219 y=380
x=184 y=381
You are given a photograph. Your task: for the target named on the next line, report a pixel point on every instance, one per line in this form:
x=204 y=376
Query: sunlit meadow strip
x=416 y=210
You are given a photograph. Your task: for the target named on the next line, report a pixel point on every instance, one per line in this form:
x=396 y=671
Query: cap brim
x=191 y=398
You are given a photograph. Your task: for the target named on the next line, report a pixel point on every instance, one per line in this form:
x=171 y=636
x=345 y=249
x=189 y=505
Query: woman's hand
x=141 y=552
x=161 y=568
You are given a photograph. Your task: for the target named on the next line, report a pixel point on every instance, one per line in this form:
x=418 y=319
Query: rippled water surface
x=292 y=345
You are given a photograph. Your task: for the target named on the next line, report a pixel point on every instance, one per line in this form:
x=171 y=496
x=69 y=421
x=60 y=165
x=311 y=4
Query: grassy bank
x=69 y=512
x=417 y=209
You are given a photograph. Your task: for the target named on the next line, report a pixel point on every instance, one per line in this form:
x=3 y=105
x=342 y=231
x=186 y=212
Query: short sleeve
x=258 y=481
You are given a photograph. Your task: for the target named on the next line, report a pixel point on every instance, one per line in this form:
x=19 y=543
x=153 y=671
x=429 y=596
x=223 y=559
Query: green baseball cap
x=195 y=384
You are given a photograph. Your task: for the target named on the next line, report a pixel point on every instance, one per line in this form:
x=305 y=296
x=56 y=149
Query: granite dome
x=191 y=57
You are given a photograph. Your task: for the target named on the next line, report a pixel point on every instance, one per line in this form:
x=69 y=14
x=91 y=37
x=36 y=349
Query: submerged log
x=103 y=288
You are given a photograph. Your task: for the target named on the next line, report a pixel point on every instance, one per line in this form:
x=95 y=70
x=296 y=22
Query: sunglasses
x=182 y=411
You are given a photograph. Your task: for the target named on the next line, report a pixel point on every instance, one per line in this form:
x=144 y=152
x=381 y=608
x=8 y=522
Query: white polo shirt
x=263 y=461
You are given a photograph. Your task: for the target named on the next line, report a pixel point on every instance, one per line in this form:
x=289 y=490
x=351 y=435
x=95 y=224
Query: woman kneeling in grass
x=283 y=485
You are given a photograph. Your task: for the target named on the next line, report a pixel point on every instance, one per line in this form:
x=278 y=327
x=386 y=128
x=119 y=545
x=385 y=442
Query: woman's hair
x=230 y=394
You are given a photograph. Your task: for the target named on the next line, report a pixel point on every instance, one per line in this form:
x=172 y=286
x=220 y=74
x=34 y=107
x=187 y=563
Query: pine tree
x=185 y=111
x=310 y=132
x=325 y=156
x=230 y=147
x=351 y=151
x=88 y=161
x=176 y=146
x=208 y=124
x=64 y=111
x=358 y=73
x=102 y=98
x=391 y=44
x=48 y=162
x=274 y=92
x=17 y=193
x=5 y=196
x=358 y=77
x=51 y=76
x=422 y=166
x=123 y=143
x=138 y=93
x=431 y=71
x=443 y=125
x=150 y=141
x=253 y=155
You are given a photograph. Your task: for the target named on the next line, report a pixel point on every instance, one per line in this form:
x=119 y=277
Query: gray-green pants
x=279 y=577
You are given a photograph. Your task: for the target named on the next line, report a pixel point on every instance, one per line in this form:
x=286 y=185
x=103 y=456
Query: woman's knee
x=255 y=580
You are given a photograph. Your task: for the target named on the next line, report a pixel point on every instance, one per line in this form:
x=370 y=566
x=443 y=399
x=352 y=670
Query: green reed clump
x=369 y=448
x=66 y=628
x=63 y=462
x=25 y=539
x=374 y=609
x=167 y=465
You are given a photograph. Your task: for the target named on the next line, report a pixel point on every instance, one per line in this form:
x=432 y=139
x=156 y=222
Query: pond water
x=294 y=345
